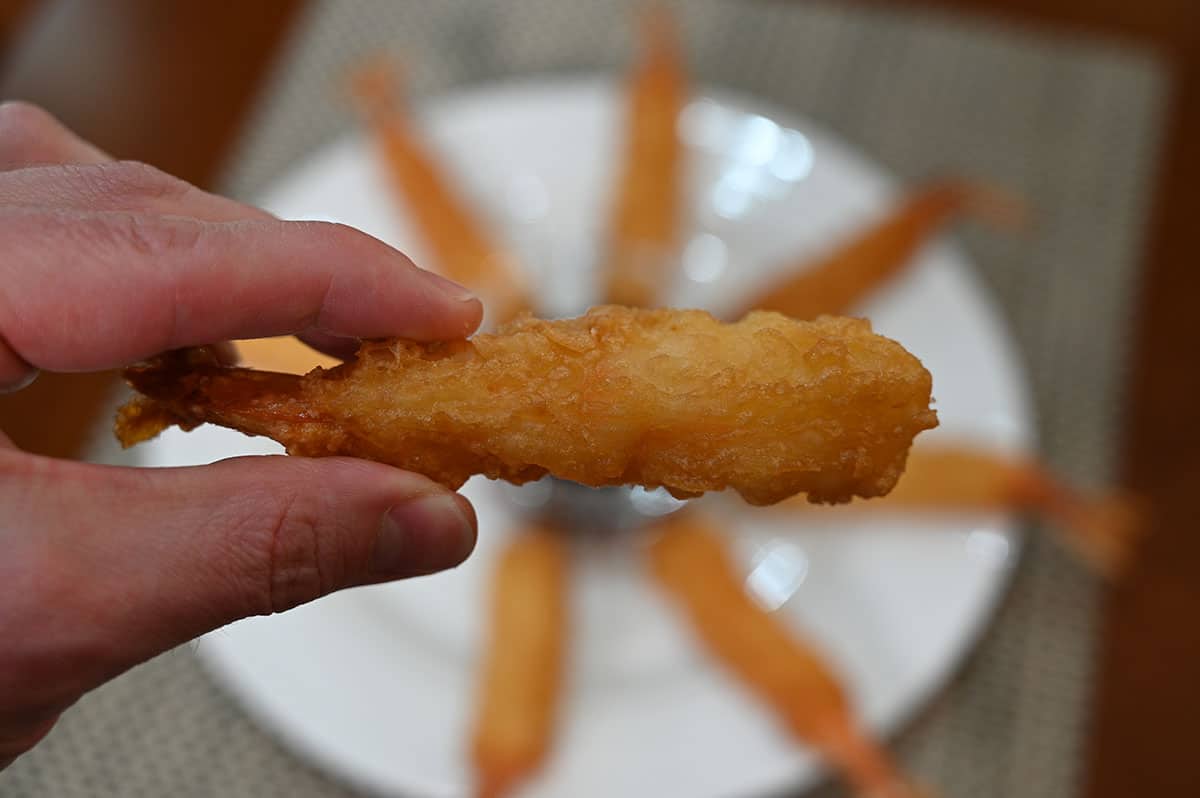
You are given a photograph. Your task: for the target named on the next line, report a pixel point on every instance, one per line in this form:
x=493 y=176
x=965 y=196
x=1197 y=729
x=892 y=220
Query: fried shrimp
x=461 y=247
x=859 y=266
x=767 y=406
x=690 y=561
x=1103 y=528
x=647 y=201
x=523 y=662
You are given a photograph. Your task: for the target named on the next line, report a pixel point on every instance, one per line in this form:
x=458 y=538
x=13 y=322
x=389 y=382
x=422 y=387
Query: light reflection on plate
x=777 y=571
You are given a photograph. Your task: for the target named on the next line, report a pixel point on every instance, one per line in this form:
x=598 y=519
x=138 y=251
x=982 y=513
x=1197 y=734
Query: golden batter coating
x=768 y=406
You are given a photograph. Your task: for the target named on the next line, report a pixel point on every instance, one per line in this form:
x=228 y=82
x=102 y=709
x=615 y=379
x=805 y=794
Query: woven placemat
x=1071 y=124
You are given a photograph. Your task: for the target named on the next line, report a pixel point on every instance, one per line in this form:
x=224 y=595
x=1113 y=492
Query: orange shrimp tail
x=1103 y=530
x=190 y=387
x=495 y=786
x=865 y=764
x=994 y=206
x=643 y=239
x=849 y=274
x=690 y=560
x=939 y=202
x=522 y=668
x=376 y=87
x=659 y=33
x=459 y=243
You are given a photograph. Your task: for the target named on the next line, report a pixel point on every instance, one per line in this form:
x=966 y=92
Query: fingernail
x=450 y=288
x=423 y=535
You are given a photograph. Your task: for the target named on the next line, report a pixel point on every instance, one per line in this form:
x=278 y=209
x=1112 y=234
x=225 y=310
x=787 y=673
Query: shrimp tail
x=495 y=787
x=866 y=765
x=190 y=387
x=993 y=205
x=643 y=239
x=861 y=265
x=1104 y=530
x=520 y=688
x=691 y=562
x=461 y=246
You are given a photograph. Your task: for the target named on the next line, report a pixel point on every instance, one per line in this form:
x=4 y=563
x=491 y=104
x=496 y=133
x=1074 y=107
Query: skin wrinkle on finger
x=153 y=239
x=241 y=520
x=295 y=557
x=244 y=279
x=283 y=543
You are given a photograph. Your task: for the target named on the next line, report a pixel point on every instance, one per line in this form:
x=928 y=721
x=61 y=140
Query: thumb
x=114 y=565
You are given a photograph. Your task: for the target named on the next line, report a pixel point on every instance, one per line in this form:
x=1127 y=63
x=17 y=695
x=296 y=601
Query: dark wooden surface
x=169 y=83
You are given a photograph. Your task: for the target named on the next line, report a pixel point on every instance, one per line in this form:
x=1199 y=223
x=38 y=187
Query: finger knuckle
x=283 y=532
x=152 y=237
x=296 y=563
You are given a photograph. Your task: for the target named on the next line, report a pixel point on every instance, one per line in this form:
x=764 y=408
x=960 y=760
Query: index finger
x=88 y=291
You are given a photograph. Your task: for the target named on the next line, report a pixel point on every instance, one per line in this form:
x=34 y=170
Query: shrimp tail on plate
x=690 y=561
x=1102 y=528
x=647 y=206
x=523 y=661
x=461 y=246
x=838 y=282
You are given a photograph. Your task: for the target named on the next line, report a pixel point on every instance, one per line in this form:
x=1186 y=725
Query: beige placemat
x=1071 y=124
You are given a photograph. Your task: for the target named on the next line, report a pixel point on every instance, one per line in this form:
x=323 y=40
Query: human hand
x=103 y=567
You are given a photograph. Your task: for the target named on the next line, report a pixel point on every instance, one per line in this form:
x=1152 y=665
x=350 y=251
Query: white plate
x=377 y=684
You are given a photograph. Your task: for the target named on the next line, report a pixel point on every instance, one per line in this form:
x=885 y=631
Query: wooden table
x=188 y=72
